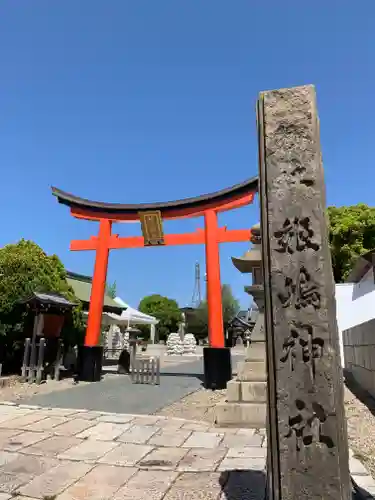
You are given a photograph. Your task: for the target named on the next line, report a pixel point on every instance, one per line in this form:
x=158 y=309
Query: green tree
x=351 y=234
x=231 y=305
x=165 y=310
x=111 y=290
x=25 y=268
x=198 y=321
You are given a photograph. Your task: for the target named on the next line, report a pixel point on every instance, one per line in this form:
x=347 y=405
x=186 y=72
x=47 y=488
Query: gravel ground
x=196 y=406
x=359 y=409
x=17 y=390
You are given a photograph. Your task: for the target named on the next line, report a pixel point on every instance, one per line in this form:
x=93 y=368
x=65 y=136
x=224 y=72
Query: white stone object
x=190 y=344
x=174 y=344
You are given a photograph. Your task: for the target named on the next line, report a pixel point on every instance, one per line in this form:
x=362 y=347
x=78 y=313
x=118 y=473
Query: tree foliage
x=165 y=310
x=351 y=234
x=111 y=290
x=198 y=321
x=25 y=268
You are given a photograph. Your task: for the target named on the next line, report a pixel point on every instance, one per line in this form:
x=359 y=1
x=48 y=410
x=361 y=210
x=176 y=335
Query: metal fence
x=145 y=370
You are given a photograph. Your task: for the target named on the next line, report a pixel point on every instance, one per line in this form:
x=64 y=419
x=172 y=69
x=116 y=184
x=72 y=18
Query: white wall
x=355 y=304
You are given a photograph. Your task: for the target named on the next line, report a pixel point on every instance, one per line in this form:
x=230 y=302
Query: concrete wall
x=355 y=305
x=359 y=354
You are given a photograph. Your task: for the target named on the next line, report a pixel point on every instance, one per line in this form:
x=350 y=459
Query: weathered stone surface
x=52 y=446
x=247 y=452
x=253 y=371
x=6 y=435
x=150 y=485
x=225 y=430
x=356 y=467
x=254 y=392
x=233 y=391
x=126 y=454
x=10 y=483
x=21 y=422
x=171 y=423
x=5 y=496
x=54 y=481
x=116 y=419
x=88 y=450
x=367 y=483
x=29 y=465
x=100 y=483
x=62 y=412
x=203 y=440
x=137 y=434
x=163 y=458
x=7 y=456
x=252 y=415
x=147 y=420
x=242 y=463
x=306 y=386
x=196 y=426
x=239 y=440
x=205 y=486
x=169 y=437
x=46 y=424
x=201 y=459
x=104 y=431
x=248 y=392
x=23 y=439
x=73 y=427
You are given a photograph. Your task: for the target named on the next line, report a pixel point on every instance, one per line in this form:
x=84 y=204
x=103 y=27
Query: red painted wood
x=214 y=300
x=196 y=238
x=98 y=284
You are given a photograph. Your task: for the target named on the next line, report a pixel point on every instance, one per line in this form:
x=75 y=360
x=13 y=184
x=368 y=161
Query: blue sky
x=151 y=100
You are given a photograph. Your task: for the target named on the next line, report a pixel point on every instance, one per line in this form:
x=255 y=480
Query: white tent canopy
x=129 y=317
x=132 y=316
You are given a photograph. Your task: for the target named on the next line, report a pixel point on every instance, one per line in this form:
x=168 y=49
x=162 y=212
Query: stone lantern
x=251 y=263
x=247 y=392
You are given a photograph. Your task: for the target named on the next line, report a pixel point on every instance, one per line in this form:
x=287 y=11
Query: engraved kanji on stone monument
x=302 y=345
x=308 y=451
x=295 y=235
x=306 y=425
x=300 y=292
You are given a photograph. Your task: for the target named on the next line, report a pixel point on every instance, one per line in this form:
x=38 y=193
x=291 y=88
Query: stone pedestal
x=246 y=403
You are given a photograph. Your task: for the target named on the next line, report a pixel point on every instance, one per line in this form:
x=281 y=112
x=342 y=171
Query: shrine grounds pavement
x=70 y=454
x=116 y=393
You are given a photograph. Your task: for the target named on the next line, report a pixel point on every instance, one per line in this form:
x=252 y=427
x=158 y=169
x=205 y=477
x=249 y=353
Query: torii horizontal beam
x=196 y=238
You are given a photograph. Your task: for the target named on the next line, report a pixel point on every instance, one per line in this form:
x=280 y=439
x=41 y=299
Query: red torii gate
x=151 y=216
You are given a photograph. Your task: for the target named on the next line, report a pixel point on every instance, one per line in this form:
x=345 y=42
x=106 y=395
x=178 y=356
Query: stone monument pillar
x=247 y=392
x=308 y=449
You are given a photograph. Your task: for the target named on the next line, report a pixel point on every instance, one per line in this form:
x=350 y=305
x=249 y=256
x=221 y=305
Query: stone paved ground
x=74 y=455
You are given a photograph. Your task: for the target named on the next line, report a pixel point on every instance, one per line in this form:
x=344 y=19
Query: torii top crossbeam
x=151 y=216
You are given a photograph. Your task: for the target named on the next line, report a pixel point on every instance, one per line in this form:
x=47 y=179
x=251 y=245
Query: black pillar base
x=89 y=363
x=217 y=367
